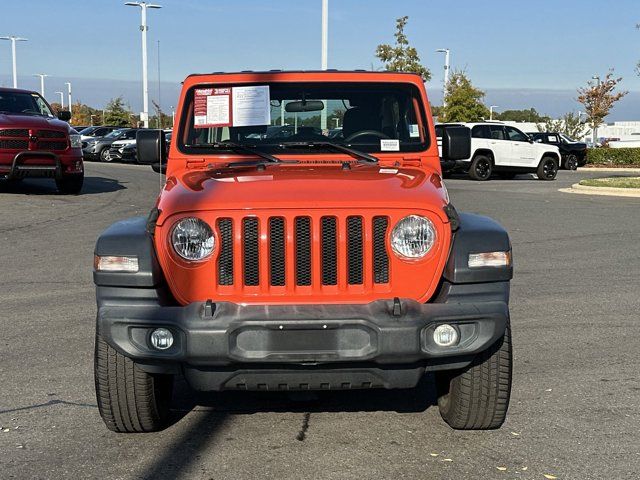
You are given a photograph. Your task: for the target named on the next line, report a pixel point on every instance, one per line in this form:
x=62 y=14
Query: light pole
x=491 y=111
x=61 y=100
x=14 y=39
x=145 y=83
x=595 y=128
x=173 y=116
x=324 y=56
x=41 y=75
x=68 y=84
x=446 y=74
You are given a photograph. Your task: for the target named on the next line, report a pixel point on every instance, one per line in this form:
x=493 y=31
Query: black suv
x=574 y=154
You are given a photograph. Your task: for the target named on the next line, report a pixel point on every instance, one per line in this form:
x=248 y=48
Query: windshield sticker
x=389 y=145
x=413 y=130
x=212 y=107
x=251 y=106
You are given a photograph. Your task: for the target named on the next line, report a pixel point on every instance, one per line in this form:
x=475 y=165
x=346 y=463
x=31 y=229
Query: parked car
x=98 y=148
x=504 y=150
x=129 y=153
x=574 y=153
x=34 y=143
x=90 y=133
x=79 y=128
x=335 y=267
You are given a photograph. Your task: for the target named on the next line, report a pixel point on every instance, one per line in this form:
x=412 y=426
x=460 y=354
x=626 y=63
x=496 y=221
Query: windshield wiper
x=361 y=156
x=238 y=148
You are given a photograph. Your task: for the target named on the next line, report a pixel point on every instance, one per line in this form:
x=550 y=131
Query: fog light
x=161 y=338
x=445 y=335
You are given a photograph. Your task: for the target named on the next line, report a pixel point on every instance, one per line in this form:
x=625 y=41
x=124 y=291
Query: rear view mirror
x=304 y=106
x=64 y=115
x=151 y=146
x=456 y=143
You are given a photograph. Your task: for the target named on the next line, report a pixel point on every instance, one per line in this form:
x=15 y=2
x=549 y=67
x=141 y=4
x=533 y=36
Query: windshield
x=115 y=133
x=271 y=117
x=24 y=103
x=567 y=139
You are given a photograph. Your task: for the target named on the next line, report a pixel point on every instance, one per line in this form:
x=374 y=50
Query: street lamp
x=68 y=84
x=595 y=128
x=41 y=75
x=14 y=39
x=324 y=56
x=446 y=74
x=145 y=83
x=491 y=111
x=61 y=100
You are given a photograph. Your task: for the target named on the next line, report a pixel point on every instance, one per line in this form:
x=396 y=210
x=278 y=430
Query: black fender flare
x=477 y=234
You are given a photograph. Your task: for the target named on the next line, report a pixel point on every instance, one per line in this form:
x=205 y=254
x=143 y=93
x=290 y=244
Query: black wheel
x=547 y=169
x=70 y=184
x=481 y=168
x=104 y=155
x=507 y=175
x=571 y=162
x=477 y=397
x=129 y=399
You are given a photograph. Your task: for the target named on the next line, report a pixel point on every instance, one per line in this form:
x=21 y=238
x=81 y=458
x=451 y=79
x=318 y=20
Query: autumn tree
x=598 y=99
x=117 y=114
x=570 y=124
x=402 y=57
x=463 y=102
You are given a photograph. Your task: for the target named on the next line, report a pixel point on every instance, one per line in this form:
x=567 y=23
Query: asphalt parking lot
x=575 y=408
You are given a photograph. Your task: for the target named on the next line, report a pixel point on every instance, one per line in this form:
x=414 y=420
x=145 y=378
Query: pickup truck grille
x=33 y=140
x=282 y=252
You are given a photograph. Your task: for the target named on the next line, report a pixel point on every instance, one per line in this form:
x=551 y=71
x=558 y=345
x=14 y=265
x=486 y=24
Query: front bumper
x=41 y=164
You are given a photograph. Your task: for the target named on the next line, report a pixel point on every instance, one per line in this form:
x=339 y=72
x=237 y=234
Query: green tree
x=116 y=114
x=463 y=100
x=527 y=115
x=570 y=124
x=402 y=57
x=599 y=97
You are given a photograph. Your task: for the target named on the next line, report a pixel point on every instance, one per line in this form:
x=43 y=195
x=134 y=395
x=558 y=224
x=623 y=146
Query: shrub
x=613 y=156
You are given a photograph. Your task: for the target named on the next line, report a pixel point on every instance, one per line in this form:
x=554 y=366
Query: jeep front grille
x=285 y=252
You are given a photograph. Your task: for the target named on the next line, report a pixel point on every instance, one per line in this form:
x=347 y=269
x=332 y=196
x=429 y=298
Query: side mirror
x=151 y=146
x=456 y=143
x=64 y=115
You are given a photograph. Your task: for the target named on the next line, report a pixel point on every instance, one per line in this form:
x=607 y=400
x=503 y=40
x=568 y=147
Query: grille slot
x=14 y=144
x=329 y=251
x=51 y=145
x=14 y=132
x=380 y=256
x=225 y=259
x=303 y=251
x=354 y=250
x=251 y=252
x=276 y=251
x=50 y=134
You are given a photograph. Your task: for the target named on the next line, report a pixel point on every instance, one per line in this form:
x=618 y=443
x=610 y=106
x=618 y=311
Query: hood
x=303 y=187
x=32 y=121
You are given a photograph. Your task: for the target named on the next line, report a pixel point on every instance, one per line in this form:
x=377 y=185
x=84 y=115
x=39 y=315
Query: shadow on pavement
x=92 y=185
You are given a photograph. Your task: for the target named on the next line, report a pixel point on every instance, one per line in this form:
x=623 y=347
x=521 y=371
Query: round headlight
x=413 y=237
x=192 y=239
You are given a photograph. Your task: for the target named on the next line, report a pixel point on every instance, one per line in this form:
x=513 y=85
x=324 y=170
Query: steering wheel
x=365 y=133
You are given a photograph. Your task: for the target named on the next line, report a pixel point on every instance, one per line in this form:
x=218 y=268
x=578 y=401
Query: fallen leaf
x=524 y=469
x=5 y=430
x=502 y=469
x=548 y=390
x=447 y=460
x=515 y=434
x=549 y=477
x=434 y=454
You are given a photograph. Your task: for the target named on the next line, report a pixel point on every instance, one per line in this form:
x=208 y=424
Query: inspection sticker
x=389 y=145
x=212 y=107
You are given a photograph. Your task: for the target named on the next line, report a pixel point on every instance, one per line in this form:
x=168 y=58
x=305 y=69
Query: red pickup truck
x=36 y=143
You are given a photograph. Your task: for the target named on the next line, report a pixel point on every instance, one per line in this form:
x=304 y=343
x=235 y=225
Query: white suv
x=504 y=150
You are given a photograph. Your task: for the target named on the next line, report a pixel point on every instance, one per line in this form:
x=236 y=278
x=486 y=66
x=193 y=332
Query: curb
x=607 y=169
x=608 y=191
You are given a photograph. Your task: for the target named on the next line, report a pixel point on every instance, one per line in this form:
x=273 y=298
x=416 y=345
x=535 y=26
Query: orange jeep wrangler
x=303 y=240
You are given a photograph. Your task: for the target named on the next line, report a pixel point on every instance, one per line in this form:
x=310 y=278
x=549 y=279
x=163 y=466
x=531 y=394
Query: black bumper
x=19 y=169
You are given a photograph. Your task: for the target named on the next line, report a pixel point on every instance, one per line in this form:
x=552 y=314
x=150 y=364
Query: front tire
x=547 y=169
x=104 y=155
x=481 y=168
x=129 y=399
x=477 y=397
x=70 y=184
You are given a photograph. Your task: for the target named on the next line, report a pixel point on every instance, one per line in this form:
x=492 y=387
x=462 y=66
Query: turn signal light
x=115 y=264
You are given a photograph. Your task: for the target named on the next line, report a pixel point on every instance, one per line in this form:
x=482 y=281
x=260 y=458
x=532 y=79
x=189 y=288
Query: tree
x=598 y=98
x=116 y=114
x=463 y=100
x=401 y=57
x=570 y=124
x=530 y=115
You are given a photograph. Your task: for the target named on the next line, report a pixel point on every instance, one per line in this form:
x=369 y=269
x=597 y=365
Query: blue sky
x=504 y=45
